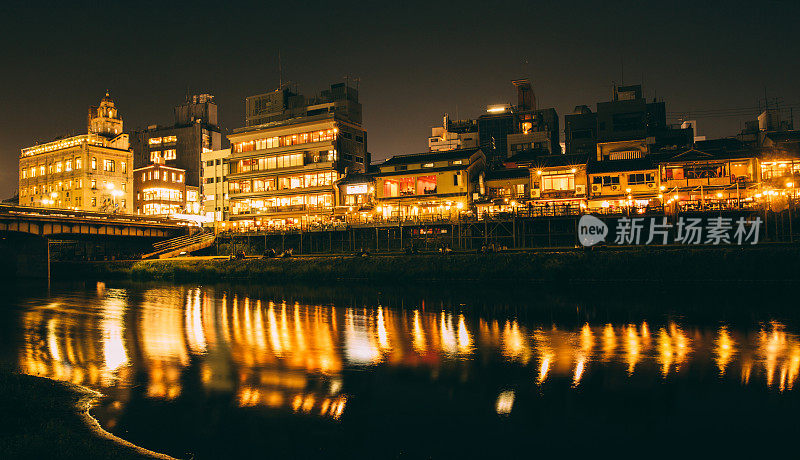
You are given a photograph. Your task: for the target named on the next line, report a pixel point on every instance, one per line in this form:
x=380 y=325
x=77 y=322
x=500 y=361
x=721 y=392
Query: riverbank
x=43 y=418
x=773 y=263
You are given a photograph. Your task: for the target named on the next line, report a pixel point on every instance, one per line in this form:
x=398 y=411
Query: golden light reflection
x=505 y=402
x=290 y=356
x=725 y=348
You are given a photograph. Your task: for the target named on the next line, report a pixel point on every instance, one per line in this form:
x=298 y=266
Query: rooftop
x=430 y=156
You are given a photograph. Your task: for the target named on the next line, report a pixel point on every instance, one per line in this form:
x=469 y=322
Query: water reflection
x=292 y=357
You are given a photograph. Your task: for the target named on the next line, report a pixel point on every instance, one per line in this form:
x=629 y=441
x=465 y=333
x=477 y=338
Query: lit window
x=169 y=139
x=94 y=185
x=170 y=154
x=124 y=166
x=58 y=167
x=78 y=163
x=154 y=141
x=94 y=163
x=155 y=156
x=69 y=165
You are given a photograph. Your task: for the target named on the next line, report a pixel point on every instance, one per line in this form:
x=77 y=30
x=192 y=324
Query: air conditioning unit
x=651 y=185
x=615 y=187
x=596 y=188
x=580 y=189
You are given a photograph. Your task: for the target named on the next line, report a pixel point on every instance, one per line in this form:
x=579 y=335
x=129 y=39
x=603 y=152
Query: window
x=169 y=139
x=155 y=156
x=69 y=165
x=124 y=166
x=108 y=165
x=401 y=168
x=78 y=163
x=94 y=184
x=124 y=187
x=24 y=173
x=390 y=188
x=154 y=141
x=407 y=186
x=641 y=178
x=458 y=162
x=426 y=185
x=58 y=167
x=41 y=170
x=605 y=181
x=170 y=154
x=210 y=163
x=94 y=201
x=559 y=182
x=209 y=180
x=94 y=163
x=33 y=171
x=427 y=165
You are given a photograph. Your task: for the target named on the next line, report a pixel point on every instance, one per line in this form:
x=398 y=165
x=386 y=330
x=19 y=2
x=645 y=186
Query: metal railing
x=75 y=214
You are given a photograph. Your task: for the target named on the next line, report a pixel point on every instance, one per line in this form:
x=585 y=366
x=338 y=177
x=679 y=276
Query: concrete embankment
x=774 y=263
x=48 y=419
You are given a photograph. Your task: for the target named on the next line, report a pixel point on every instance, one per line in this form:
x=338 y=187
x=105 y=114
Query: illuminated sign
x=356 y=189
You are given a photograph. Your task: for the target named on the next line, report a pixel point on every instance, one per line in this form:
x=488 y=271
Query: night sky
x=415 y=61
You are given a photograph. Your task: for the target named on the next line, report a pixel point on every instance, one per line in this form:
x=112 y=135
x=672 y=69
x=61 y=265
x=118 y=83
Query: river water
x=243 y=371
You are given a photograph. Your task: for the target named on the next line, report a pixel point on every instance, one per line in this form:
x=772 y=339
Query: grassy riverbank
x=47 y=419
x=645 y=264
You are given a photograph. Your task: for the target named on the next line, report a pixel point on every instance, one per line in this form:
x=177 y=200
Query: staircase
x=188 y=243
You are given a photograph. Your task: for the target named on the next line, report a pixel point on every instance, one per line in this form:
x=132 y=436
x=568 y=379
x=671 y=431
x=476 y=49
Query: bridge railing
x=75 y=214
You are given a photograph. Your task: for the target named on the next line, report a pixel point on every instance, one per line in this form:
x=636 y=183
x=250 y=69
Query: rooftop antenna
x=280 y=71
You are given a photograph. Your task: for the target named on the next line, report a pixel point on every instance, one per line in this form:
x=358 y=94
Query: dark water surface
x=241 y=371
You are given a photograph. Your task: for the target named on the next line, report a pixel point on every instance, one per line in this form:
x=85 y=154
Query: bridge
x=28 y=235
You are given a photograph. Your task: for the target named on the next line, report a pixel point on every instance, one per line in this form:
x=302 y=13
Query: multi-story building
x=555 y=179
x=580 y=131
x=629 y=116
x=284 y=164
x=90 y=172
x=716 y=170
x=160 y=190
x=504 y=190
x=506 y=130
x=454 y=135
x=180 y=145
x=215 y=186
x=624 y=184
x=436 y=184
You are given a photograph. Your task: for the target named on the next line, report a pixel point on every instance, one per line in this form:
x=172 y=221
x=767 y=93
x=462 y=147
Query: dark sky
x=415 y=61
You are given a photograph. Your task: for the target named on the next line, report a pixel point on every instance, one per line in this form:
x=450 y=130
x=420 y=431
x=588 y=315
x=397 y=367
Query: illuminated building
x=90 y=172
x=285 y=163
x=160 y=190
x=454 y=135
x=180 y=145
x=623 y=184
x=434 y=184
x=505 y=190
x=215 y=186
x=718 y=171
x=555 y=180
x=356 y=192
